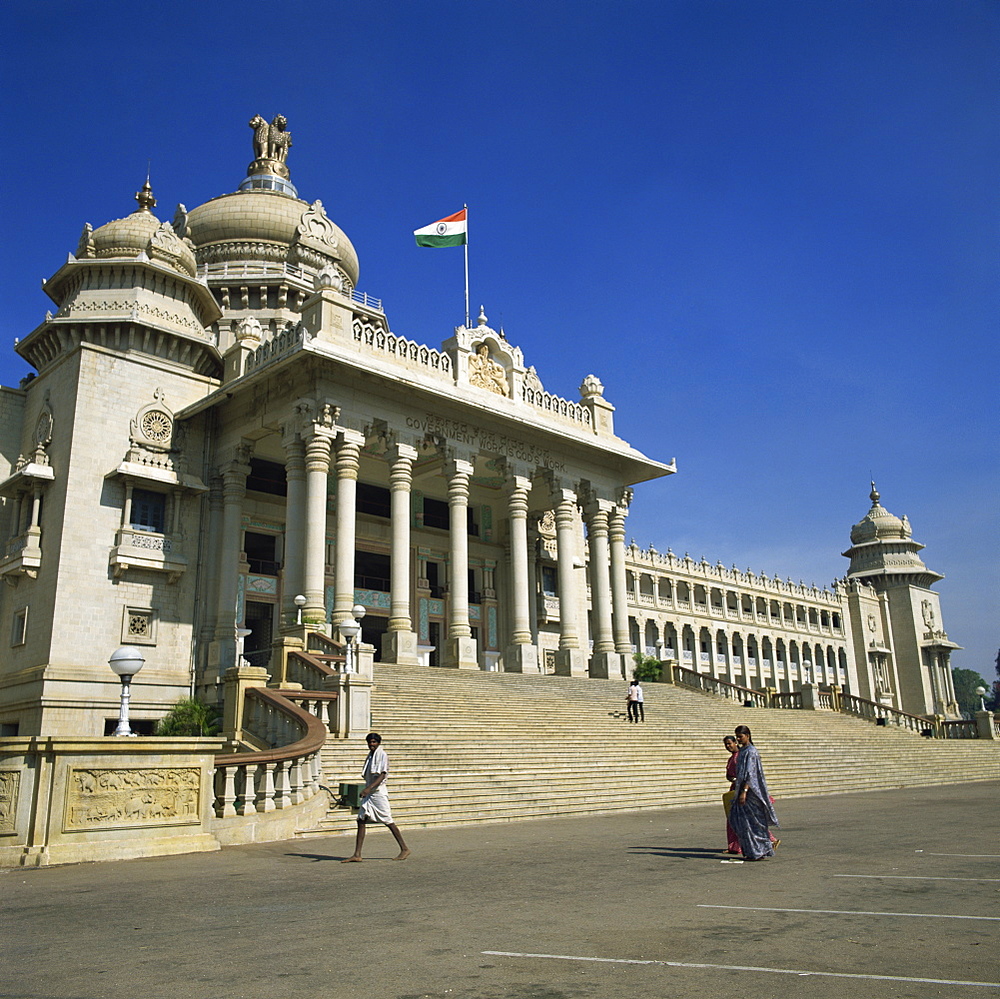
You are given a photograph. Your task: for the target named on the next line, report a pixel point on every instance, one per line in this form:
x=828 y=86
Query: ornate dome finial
x=145 y=197
x=482 y=316
x=874 y=495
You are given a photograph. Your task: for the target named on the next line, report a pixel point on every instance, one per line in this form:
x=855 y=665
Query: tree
x=966 y=681
x=648 y=669
x=189 y=716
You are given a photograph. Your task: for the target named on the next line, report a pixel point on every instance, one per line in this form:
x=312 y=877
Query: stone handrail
x=787 y=699
x=262 y=781
x=307 y=669
x=960 y=728
x=710 y=684
x=316 y=641
x=859 y=707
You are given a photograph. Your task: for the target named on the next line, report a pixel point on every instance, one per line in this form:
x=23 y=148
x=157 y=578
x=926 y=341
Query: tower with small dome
x=898 y=624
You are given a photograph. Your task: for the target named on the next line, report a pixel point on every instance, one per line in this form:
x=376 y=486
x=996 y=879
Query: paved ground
x=889 y=894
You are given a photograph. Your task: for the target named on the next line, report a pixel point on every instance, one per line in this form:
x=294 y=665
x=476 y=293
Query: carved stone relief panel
x=10 y=785
x=148 y=796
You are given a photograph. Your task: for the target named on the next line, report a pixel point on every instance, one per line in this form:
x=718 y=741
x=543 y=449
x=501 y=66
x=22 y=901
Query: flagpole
x=466 y=207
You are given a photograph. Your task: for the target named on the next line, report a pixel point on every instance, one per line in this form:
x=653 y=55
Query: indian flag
x=450 y=231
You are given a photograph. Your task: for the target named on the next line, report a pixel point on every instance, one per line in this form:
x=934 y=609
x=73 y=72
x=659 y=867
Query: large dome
x=267 y=226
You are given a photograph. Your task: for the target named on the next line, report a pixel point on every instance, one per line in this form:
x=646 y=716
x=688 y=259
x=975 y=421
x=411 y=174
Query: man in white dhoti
x=375 y=799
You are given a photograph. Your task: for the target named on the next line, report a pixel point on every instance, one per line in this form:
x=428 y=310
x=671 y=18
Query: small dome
x=880 y=525
x=143 y=232
x=262 y=225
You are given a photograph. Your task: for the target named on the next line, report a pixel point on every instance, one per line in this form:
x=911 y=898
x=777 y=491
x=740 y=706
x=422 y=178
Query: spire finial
x=874 y=495
x=482 y=316
x=145 y=197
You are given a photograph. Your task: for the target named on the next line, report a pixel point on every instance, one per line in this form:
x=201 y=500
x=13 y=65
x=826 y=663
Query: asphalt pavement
x=883 y=894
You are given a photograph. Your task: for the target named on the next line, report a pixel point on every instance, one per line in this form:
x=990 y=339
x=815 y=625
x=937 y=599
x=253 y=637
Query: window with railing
x=261 y=552
x=149 y=511
x=373 y=571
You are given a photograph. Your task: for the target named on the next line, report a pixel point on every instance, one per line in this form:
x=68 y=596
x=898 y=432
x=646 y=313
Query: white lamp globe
x=126 y=661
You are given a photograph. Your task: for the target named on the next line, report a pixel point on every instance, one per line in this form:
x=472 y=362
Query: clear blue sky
x=770 y=228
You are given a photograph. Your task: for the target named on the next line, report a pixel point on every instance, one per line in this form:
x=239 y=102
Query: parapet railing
x=832 y=698
x=307 y=669
x=961 y=728
x=722 y=688
x=269 y=779
x=860 y=707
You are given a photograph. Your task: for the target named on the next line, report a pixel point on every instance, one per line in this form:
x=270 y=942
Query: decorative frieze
x=113 y=798
x=10 y=786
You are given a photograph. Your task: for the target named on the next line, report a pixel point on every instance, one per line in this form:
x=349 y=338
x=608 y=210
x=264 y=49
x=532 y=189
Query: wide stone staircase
x=469 y=747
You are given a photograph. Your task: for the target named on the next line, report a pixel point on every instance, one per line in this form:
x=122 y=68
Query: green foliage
x=190 y=716
x=647 y=668
x=966 y=681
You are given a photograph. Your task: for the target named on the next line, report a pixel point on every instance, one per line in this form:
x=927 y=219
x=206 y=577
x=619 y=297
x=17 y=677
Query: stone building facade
x=221 y=422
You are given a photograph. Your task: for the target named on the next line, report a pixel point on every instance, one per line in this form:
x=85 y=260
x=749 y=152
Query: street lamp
x=350 y=628
x=981 y=693
x=300 y=602
x=126 y=662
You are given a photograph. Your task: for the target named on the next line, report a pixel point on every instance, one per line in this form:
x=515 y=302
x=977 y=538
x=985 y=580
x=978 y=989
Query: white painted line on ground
x=742 y=967
x=910 y=877
x=848 y=912
x=971 y=856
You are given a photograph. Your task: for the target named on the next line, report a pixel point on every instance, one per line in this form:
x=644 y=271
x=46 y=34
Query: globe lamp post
x=349 y=628
x=126 y=662
x=300 y=602
x=981 y=693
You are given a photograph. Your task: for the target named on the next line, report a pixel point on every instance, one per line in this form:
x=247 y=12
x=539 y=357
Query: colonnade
x=784 y=658
x=311 y=457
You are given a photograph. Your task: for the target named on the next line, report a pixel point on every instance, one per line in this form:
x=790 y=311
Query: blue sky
x=770 y=228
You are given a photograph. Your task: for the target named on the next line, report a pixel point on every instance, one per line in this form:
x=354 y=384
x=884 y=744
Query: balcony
x=22 y=555
x=136 y=549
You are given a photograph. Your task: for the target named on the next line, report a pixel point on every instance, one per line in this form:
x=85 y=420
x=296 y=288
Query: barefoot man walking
x=375 y=799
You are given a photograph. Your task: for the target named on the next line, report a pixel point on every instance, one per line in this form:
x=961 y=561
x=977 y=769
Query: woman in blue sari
x=752 y=811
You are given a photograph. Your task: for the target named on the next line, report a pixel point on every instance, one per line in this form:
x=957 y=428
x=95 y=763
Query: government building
x=225 y=446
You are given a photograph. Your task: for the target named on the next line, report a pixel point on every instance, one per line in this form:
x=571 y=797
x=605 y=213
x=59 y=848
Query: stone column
x=605 y=661
x=570 y=659
x=460 y=649
x=317 y=470
x=521 y=656
x=295 y=526
x=348 y=464
x=400 y=643
x=234 y=488
x=209 y=589
x=619 y=587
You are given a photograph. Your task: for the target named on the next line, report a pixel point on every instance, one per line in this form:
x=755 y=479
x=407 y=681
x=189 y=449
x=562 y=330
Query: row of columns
x=308 y=464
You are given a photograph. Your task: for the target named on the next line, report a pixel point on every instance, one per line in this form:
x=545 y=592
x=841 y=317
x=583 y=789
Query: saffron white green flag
x=450 y=231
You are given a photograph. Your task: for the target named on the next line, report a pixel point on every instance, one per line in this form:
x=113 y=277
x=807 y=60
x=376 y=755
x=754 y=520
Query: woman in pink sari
x=732 y=843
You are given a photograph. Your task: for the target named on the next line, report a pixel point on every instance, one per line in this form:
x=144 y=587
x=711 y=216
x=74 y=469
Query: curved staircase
x=469 y=747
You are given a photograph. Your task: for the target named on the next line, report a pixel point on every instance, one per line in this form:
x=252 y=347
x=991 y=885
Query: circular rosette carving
x=157 y=426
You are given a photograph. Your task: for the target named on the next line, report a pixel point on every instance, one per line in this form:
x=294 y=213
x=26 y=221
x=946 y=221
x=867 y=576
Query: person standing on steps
x=640 y=709
x=632 y=700
x=375 y=799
